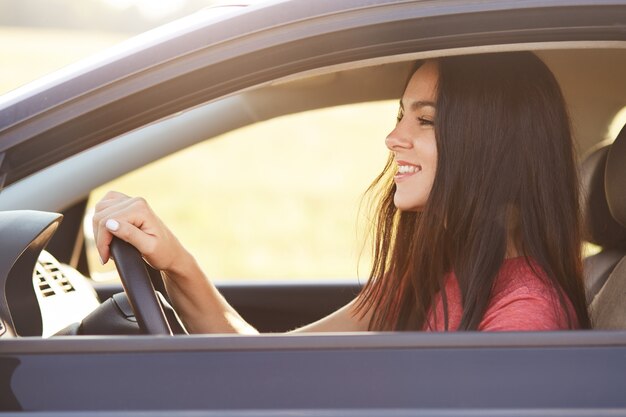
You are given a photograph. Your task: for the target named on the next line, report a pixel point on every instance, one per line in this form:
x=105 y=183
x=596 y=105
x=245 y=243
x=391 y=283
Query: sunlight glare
x=150 y=9
x=157 y=9
x=618 y=122
x=119 y=4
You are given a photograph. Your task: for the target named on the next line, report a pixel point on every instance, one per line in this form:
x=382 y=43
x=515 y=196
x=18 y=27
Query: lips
x=406 y=169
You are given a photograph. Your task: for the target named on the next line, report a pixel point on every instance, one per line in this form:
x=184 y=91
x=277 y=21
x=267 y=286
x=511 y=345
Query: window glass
x=276 y=200
x=39 y=37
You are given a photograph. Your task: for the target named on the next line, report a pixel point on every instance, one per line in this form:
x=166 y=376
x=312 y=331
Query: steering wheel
x=139 y=289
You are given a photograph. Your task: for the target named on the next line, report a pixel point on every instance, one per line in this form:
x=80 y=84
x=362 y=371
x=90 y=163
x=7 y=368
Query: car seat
x=600 y=228
x=608 y=308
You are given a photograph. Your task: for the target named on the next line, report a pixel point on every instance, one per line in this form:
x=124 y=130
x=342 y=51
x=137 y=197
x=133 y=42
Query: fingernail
x=101 y=260
x=112 y=225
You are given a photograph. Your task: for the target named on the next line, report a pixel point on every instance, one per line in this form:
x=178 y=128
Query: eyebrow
x=419 y=104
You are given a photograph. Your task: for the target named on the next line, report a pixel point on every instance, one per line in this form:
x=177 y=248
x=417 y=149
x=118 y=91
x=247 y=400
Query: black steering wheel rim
x=139 y=289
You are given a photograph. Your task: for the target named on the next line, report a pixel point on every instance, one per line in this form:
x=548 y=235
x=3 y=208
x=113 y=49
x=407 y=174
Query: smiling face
x=413 y=143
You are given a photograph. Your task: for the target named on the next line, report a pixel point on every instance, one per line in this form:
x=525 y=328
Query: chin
x=407 y=205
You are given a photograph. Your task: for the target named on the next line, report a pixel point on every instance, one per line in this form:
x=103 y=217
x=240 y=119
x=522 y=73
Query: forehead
x=423 y=84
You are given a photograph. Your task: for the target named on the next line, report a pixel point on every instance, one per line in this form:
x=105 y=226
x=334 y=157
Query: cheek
x=430 y=153
x=427 y=155
x=430 y=161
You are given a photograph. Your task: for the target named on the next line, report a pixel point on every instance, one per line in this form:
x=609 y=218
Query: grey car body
x=238 y=68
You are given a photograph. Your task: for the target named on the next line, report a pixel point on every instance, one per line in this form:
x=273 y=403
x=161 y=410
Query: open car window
x=280 y=199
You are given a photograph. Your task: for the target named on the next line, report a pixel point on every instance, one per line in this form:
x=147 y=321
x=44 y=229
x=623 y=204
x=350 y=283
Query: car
x=70 y=346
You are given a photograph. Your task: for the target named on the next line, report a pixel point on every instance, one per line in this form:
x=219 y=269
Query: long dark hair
x=505 y=158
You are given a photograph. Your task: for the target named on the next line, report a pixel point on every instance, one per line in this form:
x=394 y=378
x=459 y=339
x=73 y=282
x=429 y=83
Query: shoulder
x=520 y=275
x=523 y=298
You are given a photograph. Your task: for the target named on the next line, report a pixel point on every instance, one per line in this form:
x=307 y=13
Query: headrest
x=599 y=226
x=615 y=178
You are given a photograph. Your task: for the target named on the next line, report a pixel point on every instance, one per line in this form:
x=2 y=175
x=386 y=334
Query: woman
x=477 y=226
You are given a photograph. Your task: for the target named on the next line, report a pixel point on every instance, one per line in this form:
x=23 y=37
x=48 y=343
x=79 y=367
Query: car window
x=276 y=200
x=38 y=38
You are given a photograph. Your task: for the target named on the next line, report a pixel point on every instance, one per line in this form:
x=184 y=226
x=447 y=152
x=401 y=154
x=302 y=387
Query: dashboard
x=65 y=296
x=38 y=295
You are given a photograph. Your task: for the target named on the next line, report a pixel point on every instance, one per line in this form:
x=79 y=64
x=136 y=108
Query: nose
x=397 y=140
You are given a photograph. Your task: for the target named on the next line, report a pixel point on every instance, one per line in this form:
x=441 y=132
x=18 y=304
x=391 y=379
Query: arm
x=198 y=302
x=343 y=320
x=196 y=299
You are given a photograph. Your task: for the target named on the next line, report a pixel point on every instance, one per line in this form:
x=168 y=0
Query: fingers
x=128 y=232
x=111 y=203
x=110 y=199
x=128 y=218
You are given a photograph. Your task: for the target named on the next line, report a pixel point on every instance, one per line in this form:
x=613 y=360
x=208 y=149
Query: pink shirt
x=522 y=299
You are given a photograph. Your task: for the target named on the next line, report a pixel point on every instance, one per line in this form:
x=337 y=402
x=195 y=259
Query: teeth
x=408 y=169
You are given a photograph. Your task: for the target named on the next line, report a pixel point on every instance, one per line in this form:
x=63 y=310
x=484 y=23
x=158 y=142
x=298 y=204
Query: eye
x=425 y=122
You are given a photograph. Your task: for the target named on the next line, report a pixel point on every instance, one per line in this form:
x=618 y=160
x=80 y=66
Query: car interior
x=61 y=299
x=600 y=227
x=607 y=306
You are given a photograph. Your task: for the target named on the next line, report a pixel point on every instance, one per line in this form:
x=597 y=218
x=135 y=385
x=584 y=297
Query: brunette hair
x=504 y=157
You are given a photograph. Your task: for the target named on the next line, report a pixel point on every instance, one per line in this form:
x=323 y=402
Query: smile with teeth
x=405 y=170
x=408 y=169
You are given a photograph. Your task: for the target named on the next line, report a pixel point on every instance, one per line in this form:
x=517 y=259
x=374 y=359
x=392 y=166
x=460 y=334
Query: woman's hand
x=132 y=220
x=195 y=298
